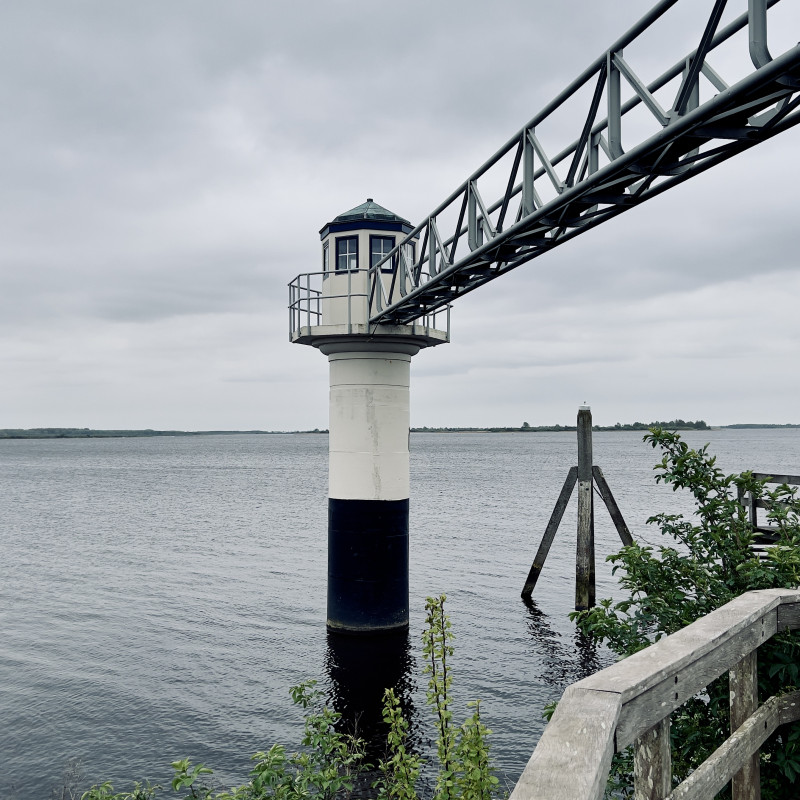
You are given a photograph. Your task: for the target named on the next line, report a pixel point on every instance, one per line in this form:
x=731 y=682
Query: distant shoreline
x=88 y=433
x=631 y=427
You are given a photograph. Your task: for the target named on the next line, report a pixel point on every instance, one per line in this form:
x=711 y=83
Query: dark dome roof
x=369 y=211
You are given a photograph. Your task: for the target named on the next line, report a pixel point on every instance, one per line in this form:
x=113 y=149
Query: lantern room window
x=379 y=247
x=410 y=254
x=346 y=253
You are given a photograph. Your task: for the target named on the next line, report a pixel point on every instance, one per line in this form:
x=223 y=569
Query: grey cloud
x=168 y=166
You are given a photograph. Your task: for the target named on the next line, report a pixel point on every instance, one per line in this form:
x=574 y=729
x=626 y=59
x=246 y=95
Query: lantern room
x=368 y=260
x=352 y=244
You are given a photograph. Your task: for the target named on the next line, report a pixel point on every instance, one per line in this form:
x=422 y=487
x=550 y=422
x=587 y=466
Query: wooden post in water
x=584 y=560
x=611 y=505
x=550 y=532
x=585 y=475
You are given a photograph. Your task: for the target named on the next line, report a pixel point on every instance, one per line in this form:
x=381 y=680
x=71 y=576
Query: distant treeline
x=88 y=433
x=757 y=425
x=673 y=425
x=527 y=428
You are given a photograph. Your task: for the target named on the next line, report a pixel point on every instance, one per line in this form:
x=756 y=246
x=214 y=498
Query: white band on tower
x=369 y=423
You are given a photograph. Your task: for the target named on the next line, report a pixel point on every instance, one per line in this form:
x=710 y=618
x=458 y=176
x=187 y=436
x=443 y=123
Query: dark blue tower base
x=367 y=566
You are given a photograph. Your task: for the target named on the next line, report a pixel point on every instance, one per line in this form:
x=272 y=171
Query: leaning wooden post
x=611 y=505
x=743 y=681
x=550 y=532
x=584 y=561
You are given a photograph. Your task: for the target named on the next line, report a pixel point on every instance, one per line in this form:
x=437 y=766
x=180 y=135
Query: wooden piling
x=550 y=532
x=584 y=475
x=584 y=560
x=611 y=505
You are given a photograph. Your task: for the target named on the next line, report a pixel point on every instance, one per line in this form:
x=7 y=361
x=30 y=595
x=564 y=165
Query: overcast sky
x=167 y=165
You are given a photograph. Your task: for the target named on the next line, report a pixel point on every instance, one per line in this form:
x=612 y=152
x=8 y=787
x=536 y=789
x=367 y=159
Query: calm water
x=159 y=596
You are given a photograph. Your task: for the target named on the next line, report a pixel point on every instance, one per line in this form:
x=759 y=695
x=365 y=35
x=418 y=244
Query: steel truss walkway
x=540 y=200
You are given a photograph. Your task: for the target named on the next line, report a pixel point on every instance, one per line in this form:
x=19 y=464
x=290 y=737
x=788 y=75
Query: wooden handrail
x=752 y=504
x=790 y=480
x=630 y=703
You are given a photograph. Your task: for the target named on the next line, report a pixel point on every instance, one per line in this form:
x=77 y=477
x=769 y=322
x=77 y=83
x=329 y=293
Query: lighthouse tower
x=366 y=255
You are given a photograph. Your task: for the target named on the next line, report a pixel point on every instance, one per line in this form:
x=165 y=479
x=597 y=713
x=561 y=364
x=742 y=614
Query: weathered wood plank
x=584 y=558
x=743 y=679
x=550 y=532
x=752 y=511
x=611 y=505
x=786 y=597
x=768 y=504
x=652 y=763
x=592 y=570
x=790 y=708
x=657 y=680
x=765 y=534
x=791 y=480
x=788 y=617
x=643 y=711
x=573 y=757
x=718 y=769
x=640 y=672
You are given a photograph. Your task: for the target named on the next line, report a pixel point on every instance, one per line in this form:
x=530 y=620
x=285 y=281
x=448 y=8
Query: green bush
x=330 y=762
x=707 y=561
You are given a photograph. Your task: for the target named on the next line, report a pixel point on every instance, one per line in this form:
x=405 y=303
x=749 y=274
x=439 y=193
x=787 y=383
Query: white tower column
x=368 y=500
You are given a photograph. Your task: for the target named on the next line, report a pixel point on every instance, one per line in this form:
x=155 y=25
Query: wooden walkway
x=765 y=535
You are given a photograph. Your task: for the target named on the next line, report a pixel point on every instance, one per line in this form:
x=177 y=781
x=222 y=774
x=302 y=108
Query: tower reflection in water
x=359 y=670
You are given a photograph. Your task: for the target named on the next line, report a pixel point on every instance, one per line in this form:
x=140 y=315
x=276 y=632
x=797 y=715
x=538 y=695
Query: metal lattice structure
x=684 y=122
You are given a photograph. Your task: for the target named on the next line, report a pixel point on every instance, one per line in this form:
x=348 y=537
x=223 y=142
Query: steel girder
x=595 y=178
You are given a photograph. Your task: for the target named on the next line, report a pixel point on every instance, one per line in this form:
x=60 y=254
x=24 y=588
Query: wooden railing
x=631 y=702
x=764 y=534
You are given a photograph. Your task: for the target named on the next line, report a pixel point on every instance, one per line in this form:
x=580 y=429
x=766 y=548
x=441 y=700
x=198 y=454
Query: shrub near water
x=706 y=562
x=330 y=762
